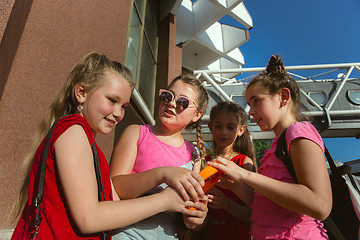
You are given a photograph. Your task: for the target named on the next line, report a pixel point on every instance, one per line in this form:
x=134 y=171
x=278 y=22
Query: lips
x=169 y=112
x=258 y=120
x=110 y=122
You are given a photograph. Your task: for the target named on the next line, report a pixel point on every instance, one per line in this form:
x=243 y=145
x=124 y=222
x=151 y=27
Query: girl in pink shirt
x=282 y=208
x=146 y=157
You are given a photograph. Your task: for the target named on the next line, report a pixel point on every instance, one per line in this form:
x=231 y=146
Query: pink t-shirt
x=271 y=221
x=154 y=153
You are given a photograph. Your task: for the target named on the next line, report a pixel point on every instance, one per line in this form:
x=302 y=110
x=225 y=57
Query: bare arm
x=77 y=177
x=240 y=189
x=218 y=200
x=313 y=187
x=129 y=185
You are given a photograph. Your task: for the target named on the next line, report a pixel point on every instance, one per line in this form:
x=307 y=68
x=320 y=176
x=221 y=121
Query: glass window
x=354 y=96
x=240 y=100
x=142 y=48
x=318 y=97
x=151 y=27
x=147 y=77
x=134 y=45
x=139 y=4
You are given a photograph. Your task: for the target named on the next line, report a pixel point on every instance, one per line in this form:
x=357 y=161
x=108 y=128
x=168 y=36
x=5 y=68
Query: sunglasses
x=181 y=102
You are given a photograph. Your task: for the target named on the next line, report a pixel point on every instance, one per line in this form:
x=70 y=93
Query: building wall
x=40 y=43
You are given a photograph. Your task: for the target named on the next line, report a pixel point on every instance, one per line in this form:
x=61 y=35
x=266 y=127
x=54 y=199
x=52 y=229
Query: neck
x=282 y=125
x=161 y=129
x=227 y=153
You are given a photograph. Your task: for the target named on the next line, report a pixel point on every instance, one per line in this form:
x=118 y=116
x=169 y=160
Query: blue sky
x=304 y=33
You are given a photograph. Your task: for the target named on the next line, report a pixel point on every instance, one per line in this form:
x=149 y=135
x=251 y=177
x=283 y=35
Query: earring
x=283 y=103
x=80 y=107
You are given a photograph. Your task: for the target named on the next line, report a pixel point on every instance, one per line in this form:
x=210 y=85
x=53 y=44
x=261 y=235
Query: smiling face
x=105 y=106
x=225 y=128
x=171 y=115
x=264 y=108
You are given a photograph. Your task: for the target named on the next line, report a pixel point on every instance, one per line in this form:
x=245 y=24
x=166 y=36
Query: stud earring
x=80 y=108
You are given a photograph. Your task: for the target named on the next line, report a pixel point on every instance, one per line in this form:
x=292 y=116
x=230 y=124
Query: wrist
x=247 y=176
x=160 y=172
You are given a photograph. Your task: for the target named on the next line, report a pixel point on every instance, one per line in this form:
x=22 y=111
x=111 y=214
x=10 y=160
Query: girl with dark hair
x=282 y=207
x=228 y=215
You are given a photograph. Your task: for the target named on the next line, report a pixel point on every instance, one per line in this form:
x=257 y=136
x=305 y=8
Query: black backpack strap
x=38 y=198
x=40 y=191
x=101 y=194
x=282 y=154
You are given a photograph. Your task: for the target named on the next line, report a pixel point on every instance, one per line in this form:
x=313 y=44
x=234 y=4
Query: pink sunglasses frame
x=177 y=97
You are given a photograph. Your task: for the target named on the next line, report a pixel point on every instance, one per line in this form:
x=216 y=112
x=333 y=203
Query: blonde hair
x=275 y=78
x=90 y=70
x=201 y=103
x=243 y=143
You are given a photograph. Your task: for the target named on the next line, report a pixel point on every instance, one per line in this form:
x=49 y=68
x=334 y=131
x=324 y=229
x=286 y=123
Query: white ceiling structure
x=330 y=92
x=206 y=43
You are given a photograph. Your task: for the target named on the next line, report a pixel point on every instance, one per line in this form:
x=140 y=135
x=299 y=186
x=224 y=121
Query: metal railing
x=340 y=78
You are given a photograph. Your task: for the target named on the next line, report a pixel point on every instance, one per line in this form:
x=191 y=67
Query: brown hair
x=275 y=78
x=243 y=143
x=201 y=103
x=90 y=70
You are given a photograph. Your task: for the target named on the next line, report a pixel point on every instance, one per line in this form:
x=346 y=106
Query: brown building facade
x=40 y=42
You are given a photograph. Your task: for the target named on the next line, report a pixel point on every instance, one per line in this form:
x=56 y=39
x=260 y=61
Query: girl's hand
x=231 y=169
x=217 y=199
x=188 y=183
x=195 y=218
x=173 y=201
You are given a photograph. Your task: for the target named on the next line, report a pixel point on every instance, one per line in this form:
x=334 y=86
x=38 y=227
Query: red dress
x=221 y=224
x=56 y=220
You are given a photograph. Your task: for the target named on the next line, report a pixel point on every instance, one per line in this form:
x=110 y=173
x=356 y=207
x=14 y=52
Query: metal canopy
x=206 y=43
x=330 y=94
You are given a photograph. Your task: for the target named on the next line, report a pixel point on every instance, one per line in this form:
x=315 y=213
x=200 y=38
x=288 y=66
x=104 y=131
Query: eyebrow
x=179 y=95
x=252 y=97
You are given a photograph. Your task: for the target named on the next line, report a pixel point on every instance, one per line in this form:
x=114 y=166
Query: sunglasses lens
x=182 y=102
x=166 y=96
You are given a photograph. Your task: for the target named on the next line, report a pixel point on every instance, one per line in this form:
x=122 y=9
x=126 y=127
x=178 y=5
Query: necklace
x=229 y=156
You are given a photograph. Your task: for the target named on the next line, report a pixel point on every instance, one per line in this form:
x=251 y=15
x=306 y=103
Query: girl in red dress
x=228 y=215
x=93 y=99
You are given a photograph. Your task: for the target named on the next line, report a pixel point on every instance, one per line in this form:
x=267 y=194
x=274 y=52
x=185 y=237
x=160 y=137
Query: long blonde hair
x=89 y=70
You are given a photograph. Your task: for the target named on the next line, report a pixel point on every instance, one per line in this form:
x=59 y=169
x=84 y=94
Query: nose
x=252 y=111
x=119 y=114
x=172 y=103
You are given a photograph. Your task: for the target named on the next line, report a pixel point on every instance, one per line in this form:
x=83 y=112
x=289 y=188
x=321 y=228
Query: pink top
x=271 y=221
x=154 y=153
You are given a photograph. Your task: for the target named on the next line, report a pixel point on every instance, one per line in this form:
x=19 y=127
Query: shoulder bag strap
x=101 y=194
x=38 y=198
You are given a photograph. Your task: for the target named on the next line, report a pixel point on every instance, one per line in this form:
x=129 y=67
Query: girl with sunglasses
x=93 y=98
x=147 y=158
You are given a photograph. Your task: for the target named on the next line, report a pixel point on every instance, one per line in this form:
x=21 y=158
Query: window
x=240 y=100
x=318 y=97
x=141 y=56
x=354 y=96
